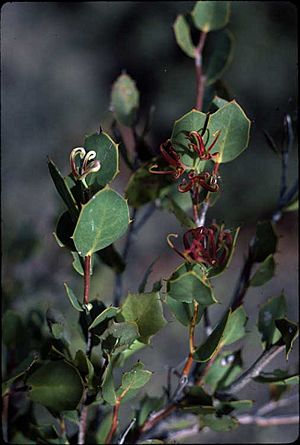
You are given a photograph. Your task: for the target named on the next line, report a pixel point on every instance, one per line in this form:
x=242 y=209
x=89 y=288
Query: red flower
x=204 y=179
x=197 y=144
x=172 y=158
x=207 y=245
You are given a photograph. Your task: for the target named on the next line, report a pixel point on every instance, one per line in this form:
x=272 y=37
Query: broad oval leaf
x=108 y=155
x=182 y=32
x=264 y=272
x=187 y=284
x=235 y=328
x=183 y=311
x=108 y=313
x=125 y=100
x=102 y=221
x=265 y=241
x=234 y=126
x=57 y=385
x=217 y=54
x=211 y=15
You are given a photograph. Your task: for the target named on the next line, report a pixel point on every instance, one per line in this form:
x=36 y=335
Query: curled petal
x=74 y=153
x=88 y=157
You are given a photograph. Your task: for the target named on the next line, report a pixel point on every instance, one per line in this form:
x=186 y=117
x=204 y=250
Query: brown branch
x=83 y=421
x=200 y=78
x=87 y=278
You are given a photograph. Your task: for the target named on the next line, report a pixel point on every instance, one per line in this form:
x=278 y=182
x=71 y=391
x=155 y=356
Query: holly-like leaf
x=270 y=311
x=217 y=54
x=264 y=273
x=214 y=341
x=235 y=328
x=108 y=313
x=183 y=37
x=144 y=187
x=187 y=283
x=133 y=380
x=265 y=241
x=73 y=299
x=63 y=190
x=146 y=311
x=125 y=100
x=57 y=385
x=108 y=155
x=183 y=311
x=211 y=15
x=234 y=127
x=102 y=221
x=224 y=370
x=289 y=332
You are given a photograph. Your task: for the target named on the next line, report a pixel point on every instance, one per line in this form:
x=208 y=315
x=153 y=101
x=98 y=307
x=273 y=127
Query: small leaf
x=73 y=299
x=277 y=377
x=264 y=273
x=228 y=406
x=183 y=311
x=108 y=313
x=63 y=190
x=108 y=155
x=212 y=344
x=108 y=389
x=146 y=311
x=211 y=15
x=57 y=385
x=265 y=241
x=119 y=336
x=217 y=54
x=125 y=100
x=235 y=328
x=103 y=220
x=289 y=332
x=144 y=187
x=147 y=273
x=224 y=423
x=85 y=366
x=273 y=309
x=187 y=283
x=183 y=36
x=134 y=379
x=180 y=214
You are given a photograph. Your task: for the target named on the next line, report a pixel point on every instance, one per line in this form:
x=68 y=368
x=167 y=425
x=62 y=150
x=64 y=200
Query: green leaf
x=73 y=299
x=64 y=231
x=119 y=336
x=213 y=343
x=107 y=314
x=146 y=311
x=103 y=220
x=125 y=100
x=277 y=377
x=180 y=214
x=147 y=273
x=265 y=241
x=234 y=126
x=219 y=102
x=264 y=273
x=224 y=370
x=104 y=428
x=128 y=352
x=134 y=379
x=182 y=32
x=235 y=328
x=292 y=206
x=108 y=155
x=211 y=15
x=85 y=366
x=273 y=309
x=12 y=328
x=108 y=388
x=218 y=270
x=144 y=187
x=289 y=332
x=197 y=396
x=183 y=311
x=224 y=423
x=187 y=283
x=217 y=54
x=147 y=406
x=57 y=385
x=63 y=189
x=234 y=404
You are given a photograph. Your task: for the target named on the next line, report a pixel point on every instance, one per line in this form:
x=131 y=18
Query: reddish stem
x=200 y=78
x=87 y=274
x=114 y=424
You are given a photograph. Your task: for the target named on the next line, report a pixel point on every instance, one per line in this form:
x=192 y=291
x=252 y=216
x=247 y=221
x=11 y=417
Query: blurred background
x=59 y=61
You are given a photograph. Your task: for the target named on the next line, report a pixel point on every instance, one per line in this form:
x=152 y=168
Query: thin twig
x=200 y=78
x=247 y=419
x=275 y=404
x=252 y=372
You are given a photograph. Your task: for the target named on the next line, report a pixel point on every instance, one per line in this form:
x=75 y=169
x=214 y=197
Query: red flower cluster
x=197 y=144
x=207 y=245
x=172 y=158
